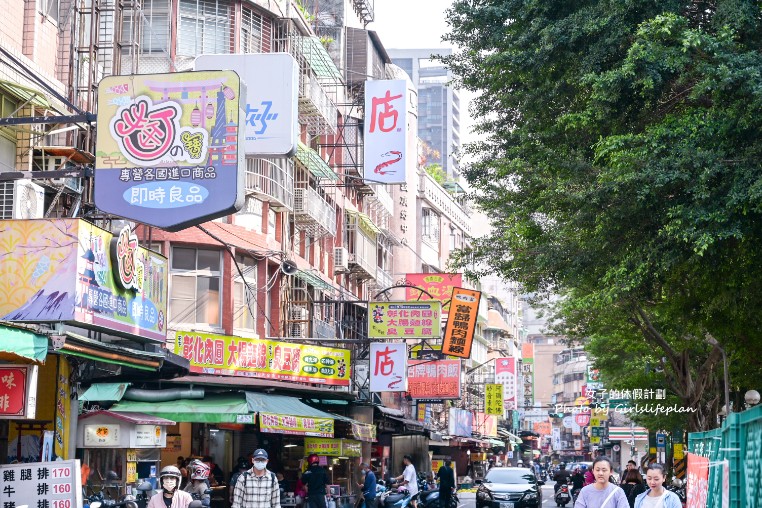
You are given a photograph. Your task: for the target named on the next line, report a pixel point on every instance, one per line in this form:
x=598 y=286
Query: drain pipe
x=171 y=394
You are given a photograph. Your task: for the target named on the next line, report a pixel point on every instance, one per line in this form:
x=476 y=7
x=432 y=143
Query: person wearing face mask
x=368 y=485
x=257 y=487
x=170 y=496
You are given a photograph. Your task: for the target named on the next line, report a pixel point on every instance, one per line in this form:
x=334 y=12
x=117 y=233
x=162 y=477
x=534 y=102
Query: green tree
x=436 y=172
x=620 y=167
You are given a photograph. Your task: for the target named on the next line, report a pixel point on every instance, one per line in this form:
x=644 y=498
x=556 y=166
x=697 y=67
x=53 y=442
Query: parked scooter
x=430 y=499
x=678 y=487
x=563 y=495
x=396 y=498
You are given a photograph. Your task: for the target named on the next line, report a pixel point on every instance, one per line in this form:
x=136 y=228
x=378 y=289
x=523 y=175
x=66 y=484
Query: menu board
x=41 y=484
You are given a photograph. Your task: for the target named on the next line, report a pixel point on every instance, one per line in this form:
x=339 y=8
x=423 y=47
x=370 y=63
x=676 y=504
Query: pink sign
x=438 y=285
x=505 y=374
x=697 y=488
x=582 y=419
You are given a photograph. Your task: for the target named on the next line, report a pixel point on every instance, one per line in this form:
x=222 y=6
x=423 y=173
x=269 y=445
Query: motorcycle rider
x=170 y=495
x=561 y=477
x=578 y=481
x=199 y=482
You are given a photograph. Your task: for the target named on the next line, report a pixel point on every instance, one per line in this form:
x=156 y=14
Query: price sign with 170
x=41 y=484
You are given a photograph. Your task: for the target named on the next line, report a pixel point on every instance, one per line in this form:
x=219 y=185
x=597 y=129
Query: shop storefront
x=120 y=450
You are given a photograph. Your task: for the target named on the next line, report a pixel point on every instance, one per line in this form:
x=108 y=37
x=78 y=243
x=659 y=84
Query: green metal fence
x=739 y=441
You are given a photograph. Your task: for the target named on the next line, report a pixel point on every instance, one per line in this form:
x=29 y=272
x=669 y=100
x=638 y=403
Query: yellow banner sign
x=404 y=320
x=494 y=399
x=678 y=450
x=295 y=425
x=224 y=355
x=322 y=446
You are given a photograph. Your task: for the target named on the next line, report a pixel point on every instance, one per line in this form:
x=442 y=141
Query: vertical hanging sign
x=493 y=403
x=461 y=322
x=388 y=367
x=505 y=374
x=386 y=125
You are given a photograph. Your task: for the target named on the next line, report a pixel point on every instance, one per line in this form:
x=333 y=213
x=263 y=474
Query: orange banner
x=461 y=323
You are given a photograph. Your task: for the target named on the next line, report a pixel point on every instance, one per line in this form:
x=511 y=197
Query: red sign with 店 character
x=461 y=322
x=13 y=391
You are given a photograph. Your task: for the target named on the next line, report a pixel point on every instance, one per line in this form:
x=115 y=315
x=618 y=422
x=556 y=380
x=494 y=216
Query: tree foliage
x=621 y=167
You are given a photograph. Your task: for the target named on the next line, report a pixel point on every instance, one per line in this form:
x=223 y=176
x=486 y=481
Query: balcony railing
x=444 y=203
x=323 y=329
x=314 y=101
x=383 y=278
x=271 y=180
x=363 y=249
x=313 y=214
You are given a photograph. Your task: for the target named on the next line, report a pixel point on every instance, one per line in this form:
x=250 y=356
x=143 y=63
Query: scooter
x=563 y=495
x=678 y=487
x=430 y=499
x=399 y=498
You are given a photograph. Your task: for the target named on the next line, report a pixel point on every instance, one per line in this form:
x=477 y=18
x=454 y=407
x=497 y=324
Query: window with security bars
x=152 y=30
x=256 y=32
x=206 y=26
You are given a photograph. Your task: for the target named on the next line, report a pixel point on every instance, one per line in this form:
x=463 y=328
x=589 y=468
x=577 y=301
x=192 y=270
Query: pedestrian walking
x=368 y=485
x=315 y=480
x=446 y=477
x=632 y=486
x=257 y=487
x=602 y=493
x=657 y=496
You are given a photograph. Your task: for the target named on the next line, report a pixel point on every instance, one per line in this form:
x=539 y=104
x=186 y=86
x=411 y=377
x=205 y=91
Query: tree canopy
x=621 y=168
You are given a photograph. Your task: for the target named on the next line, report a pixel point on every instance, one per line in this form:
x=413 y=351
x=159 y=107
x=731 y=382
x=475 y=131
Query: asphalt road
x=468 y=500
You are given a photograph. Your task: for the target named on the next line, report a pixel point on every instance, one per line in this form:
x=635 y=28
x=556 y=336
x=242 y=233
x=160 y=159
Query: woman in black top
x=633 y=486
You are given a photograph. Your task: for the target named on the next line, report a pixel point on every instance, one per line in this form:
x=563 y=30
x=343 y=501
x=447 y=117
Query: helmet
x=313 y=459
x=198 y=470
x=171 y=471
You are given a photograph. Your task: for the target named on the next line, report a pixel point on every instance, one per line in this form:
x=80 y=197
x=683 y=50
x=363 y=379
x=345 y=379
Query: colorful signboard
x=433 y=380
x=388 y=367
x=438 y=285
x=37 y=484
x=460 y=422
x=527 y=374
x=593 y=381
x=271 y=125
x=493 y=399
x=404 y=320
x=505 y=374
x=697 y=485
x=461 y=322
x=63 y=409
x=485 y=424
x=223 y=355
x=389 y=118
x=18 y=392
x=322 y=446
x=60 y=270
x=169 y=151
x=295 y=425
x=542 y=428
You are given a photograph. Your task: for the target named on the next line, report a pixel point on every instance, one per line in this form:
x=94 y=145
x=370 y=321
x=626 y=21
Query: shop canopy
x=104 y=392
x=19 y=345
x=229 y=408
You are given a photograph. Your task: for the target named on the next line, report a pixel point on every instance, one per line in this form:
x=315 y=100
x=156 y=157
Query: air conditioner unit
x=340 y=259
x=298 y=314
x=21 y=199
x=57 y=163
x=298 y=325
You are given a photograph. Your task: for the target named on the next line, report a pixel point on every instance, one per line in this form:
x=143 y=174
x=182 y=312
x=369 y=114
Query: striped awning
x=628 y=433
x=314 y=163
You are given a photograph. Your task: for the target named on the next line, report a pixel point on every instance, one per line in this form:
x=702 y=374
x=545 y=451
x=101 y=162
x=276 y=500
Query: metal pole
x=727 y=381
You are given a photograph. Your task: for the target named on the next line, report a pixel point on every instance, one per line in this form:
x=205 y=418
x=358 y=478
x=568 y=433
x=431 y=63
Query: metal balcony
x=271 y=180
x=383 y=278
x=362 y=237
x=313 y=214
x=364 y=9
x=315 y=102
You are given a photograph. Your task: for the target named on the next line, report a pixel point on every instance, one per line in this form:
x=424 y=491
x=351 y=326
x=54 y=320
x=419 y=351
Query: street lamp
x=751 y=398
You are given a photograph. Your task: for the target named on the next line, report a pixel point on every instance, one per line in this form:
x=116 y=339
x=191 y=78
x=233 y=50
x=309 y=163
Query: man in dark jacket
x=316 y=481
x=446 y=477
x=368 y=485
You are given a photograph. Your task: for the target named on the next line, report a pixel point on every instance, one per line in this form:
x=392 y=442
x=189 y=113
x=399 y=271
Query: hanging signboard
x=461 y=322
x=438 y=285
x=295 y=425
x=493 y=399
x=41 y=484
x=389 y=118
x=169 y=147
x=460 y=422
x=18 y=392
x=322 y=446
x=433 y=380
x=404 y=320
x=69 y=274
x=485 y=424
x=505 y=374
x=388 y=367
x=148 y=436
x=102 y=436
x=527 y=374
x=272 y=99
x=223 y=355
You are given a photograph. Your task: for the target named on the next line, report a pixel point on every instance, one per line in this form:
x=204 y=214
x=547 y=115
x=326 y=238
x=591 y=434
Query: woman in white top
x=602 y=493
x=657 y=496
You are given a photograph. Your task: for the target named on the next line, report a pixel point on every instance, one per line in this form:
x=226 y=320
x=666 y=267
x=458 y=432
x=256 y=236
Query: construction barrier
x=739 y=441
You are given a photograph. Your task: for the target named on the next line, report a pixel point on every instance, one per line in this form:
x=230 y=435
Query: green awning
x=22 y=346
x=104 y=392
x=283 y=405
x=210 y=409
x=314 y=280
x=311 y=160
x=365 y=222
x=496 y=442
x=24 y=94
x=319 y=59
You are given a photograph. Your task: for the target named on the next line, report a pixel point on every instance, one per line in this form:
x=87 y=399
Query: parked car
x=509 y=487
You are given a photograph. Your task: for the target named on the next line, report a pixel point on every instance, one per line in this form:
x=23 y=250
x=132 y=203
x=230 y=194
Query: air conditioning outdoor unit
x=21 y=199
x=298 y=326
x=340 y=259
x=57 y=163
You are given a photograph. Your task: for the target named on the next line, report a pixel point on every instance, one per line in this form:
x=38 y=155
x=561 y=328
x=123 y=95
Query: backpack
x=246 y=474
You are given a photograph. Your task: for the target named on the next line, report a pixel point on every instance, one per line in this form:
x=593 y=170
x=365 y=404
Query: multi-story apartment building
x=438 y=105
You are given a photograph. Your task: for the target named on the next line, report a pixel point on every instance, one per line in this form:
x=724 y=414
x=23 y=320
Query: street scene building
x=236 y=226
